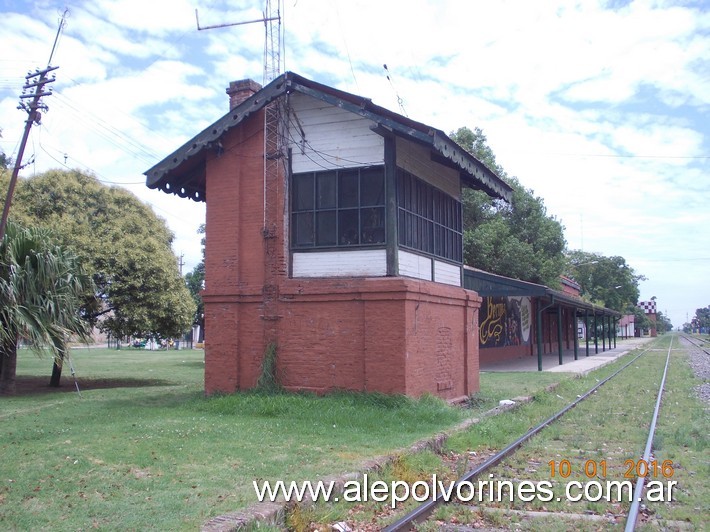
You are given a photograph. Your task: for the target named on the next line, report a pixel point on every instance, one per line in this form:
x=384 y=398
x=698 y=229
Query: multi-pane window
x=429 y=219
x=338 y=208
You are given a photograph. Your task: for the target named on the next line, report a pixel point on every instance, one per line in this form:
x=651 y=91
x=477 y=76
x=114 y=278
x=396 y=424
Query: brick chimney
x=241 y=90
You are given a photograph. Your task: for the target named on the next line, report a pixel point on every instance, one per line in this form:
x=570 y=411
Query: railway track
x=632 y=470
x=695 y=342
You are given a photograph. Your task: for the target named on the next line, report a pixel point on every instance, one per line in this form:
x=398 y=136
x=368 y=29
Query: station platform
x=583 y=365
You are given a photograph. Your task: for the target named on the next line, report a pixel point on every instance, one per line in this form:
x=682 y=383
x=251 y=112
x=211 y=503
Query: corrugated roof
x=183 y=171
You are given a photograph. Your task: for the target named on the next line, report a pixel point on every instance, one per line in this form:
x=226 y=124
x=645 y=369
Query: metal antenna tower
x=273 y=157
x=273 y=41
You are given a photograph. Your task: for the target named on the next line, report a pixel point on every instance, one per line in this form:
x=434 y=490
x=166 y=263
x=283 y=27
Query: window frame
x=306 y=214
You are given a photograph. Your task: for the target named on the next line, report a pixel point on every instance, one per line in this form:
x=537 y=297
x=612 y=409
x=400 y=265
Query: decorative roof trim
x=191 y=155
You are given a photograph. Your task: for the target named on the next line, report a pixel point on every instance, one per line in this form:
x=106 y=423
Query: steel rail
x=632 y=517
x=424 y=510
x=692 y=340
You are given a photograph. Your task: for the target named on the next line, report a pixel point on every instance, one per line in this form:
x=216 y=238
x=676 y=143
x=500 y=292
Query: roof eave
x=209 y=138
x=473 y=172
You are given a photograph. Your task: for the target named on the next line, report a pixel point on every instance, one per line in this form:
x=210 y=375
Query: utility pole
x=35 y=82
x=30 y=103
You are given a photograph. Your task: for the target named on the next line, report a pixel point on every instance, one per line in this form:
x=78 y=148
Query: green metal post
x=586 y=329
x=539 y=312
x=559 y=332
x=574 y=330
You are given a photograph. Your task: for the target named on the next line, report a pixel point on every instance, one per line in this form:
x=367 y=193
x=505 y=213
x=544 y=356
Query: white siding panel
x=413 y=265
x=356 y=263
x=323 y=136
x=416 y=160
x=447 y=273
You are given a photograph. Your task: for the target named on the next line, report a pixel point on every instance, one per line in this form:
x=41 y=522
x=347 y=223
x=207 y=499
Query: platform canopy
x=488 y=284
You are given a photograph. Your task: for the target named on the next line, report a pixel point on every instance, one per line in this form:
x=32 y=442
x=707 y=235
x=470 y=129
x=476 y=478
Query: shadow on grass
x=33 y=385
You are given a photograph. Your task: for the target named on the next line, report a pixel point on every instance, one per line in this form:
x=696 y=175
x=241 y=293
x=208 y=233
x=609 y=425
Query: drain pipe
x=539 y=332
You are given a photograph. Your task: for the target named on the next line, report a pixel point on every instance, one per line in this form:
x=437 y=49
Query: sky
x=601 y=108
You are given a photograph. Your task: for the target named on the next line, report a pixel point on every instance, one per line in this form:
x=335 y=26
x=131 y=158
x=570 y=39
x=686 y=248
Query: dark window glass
x=303 y=192
x=326 y=190
x=429 y=220
x=372 y=187
x=373 y=225
x=326 y=228
x=338 y=208
x=348 y=189
x=303 y=228
x=348 y=224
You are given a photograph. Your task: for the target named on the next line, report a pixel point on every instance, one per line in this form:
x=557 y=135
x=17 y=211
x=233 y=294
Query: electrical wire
x=328 y=158
x=107 y=131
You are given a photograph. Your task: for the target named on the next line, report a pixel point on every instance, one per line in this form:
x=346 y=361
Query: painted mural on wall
x=505 y=321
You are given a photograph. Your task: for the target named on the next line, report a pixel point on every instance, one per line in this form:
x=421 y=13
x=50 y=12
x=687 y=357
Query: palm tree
x=42 y=287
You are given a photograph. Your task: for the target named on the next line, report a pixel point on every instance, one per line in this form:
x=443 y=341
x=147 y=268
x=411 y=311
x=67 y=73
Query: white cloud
x=564 y=91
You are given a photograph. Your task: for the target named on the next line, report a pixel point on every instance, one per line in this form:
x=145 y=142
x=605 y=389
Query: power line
x=31 y=103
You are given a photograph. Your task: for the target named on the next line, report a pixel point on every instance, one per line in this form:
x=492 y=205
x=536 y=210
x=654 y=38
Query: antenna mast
x=273 y=157
x=273 y=41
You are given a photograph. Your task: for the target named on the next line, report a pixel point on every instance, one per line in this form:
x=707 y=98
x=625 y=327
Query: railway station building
x=334 y=234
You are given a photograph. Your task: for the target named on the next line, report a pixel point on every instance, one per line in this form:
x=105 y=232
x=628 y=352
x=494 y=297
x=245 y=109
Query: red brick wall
x=234 y=213
x=509 y=352
x=391 y=335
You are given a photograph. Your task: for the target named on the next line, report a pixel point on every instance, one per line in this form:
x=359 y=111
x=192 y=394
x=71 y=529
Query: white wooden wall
x=447 y=273
x=413 y=265
x=354 y=263
x=323 y=136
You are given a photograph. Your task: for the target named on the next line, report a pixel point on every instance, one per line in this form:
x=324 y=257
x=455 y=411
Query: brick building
x=520 y=319
x=334 y=232
x=649 y=309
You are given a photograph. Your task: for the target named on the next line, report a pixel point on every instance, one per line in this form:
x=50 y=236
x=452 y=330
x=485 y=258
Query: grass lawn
x=611 y=427
x=142 y=448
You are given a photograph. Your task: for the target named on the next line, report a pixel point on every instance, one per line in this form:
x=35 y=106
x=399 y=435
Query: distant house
x=627 y=326
x=334 y=232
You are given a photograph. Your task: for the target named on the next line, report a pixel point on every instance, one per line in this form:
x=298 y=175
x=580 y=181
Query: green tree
x=42 y=287
x=5 y=161
x=121 y=242
x=663 y=323
x=195 y=281
x=519 y=239
x=701 y=321
x=641 y=320
x=607 y=281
